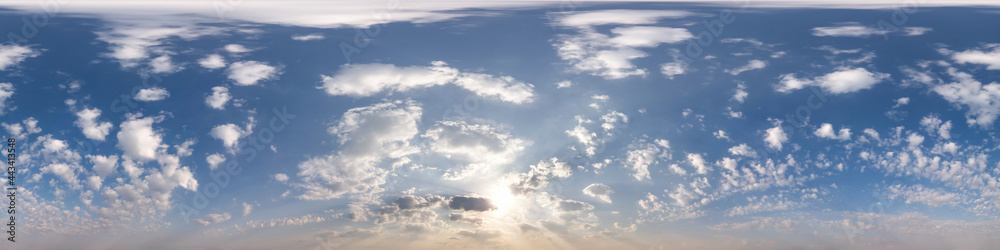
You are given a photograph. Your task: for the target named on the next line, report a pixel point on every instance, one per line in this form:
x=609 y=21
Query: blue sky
x=528 y=125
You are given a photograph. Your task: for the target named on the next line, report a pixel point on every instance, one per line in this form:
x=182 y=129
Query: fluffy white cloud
x=775 y=137
x=990 y=58
x=920 y=194
x=103 y=165
x=281 y=177
x=367 y=135
x=564 y=84
x=213 y=61
x=599 y=191
x=698 y=163
x=610 y=57
x=844 y=80
x=369 y=79
x=752 y=65
x=982 y=101
x=740 y=94
x=826 y=131
x=247 y=208
x=309 y=37
x=916 y=31
x=538 y=176
x=11 y=55
x=642 y=154
x=230 y=135
x=163 y=64
x=152 y=94
x=214 y=160
x=92 y=129
x=137 y=138
x=672 y=69
x=743 y=150
x=219 y=97
x=246 y=73
x=480 y=146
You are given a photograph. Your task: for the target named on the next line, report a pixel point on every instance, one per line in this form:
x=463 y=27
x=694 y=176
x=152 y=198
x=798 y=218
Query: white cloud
x=920 y=194
x=162 y=64
x=672 y=69
x=599 y=191
x=281 y=177
x=369 y=79
x=847 y=31
x=6 y=91
x=152 y=94
x=220 y=96
x=478 y=146
x=236 y=48
x=230 y=135
x=985 y=57
x=721 y=134
x=775 y=136
x=698 y=163
x=538 y=176
x=11 y=55
x=740 y=94
x=839 y=82
x=132 y=43
x=367 y=135
x=308 y=37
x=103 y=165
x=826 y=131
x=137 y=138
x=213 y=61
x=564 y=84
x=743 y=150
x=982 y=101
x=641 y=155
x=916 y=31
x=246 y=73
x=902 y=101
x=92 y=129
x=752 y=65
x=214 y=160
x=247 y=208
x=610 y=56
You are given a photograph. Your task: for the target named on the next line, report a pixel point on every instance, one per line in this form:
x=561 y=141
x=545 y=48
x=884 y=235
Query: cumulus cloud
x=214 y=160
x=163 y=64
x=600 y=191
x=213 y=61
x=642 y=154
x=152 y=94
x=92 y=129
x=131 y=44
x=775 y=137
x=247 y=73
x=539 y=175
x=137 y=138
x=610 y=56
x=743 y=150
x=981 y=100
x=362 y=80
x=845 y=80
x=826 y=131
x=230 y=135
x=740 y=94
x=13 y=54
x=219 y=97
x=103 y=165
x=698 y=163
x=480 y=146
x=367 y=136
x=752 y=65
